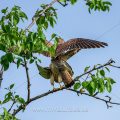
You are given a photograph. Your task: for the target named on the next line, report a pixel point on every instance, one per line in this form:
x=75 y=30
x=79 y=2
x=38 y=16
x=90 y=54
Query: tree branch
x=98 y=98
x=36 y=18
x=59 y=89
x=11 y=106
x=78 y=92
x=115 y=66
x=36 y=98
x=95 y=68
x=28 y=80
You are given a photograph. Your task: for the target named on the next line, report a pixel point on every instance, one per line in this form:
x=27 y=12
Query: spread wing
x=71 y=47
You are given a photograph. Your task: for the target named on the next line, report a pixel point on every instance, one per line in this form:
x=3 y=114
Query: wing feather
x=78 y=43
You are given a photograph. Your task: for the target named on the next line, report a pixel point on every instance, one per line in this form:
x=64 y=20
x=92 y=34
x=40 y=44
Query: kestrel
x=59 y=70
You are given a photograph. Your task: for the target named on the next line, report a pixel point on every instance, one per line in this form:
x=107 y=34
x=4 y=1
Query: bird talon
x=54 y=89
x=61 y=87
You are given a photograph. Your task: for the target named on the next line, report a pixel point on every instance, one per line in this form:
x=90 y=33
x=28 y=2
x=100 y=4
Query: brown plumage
x=64 y=51
x=72 y=46
x=61 y=72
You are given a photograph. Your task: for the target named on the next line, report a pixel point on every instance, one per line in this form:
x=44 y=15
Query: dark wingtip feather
x=105 y=44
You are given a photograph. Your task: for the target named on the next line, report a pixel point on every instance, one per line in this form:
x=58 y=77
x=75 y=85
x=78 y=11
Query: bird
x=59 y=70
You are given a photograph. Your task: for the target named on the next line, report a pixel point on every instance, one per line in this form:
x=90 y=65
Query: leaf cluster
x=97 y=82
x=9 y=97
x=98 y=5
x=18 y=44
x=7 y=116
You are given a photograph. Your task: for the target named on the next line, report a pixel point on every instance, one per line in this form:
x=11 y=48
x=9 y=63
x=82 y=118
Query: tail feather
x=67 y=78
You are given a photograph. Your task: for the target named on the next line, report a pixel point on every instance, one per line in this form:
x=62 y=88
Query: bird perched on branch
x=59 y=70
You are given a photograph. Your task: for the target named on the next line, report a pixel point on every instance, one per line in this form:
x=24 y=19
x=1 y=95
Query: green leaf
x=53 y=35
x=102 y=72
x=101 y=86
x=108 y=87
x=91 y=6
x=52 y=51
x=31 y=61
x=7 y=98
x=86 y=69
x=45 y=25
x=41 y=35
x=7 y=116
x=107 y=69
x=85 y=84
x=112 y=81
x=10 y=57
x=108 y=8
x=2 y=47
x=11 y=86
x=4 y=10
x=51 y=20
x=77 y=85
x=19 y=62
x=90 y=89
x=5 y=111
x=21 y=100
x=73 y=1
x=3 y=28
x=6 y=66
x=16 y=20
x=62 y=0
x=16 y=96
x=108 y=3
x=5 y=62
x=23 y=15
x=89 y=10
x=93 y=85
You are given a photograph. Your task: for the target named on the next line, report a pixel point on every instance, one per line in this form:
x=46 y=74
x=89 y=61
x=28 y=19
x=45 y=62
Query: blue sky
x=73 y=21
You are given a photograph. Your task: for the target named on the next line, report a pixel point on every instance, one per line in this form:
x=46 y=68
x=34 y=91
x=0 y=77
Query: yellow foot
x=55 y=89
x=61 y=87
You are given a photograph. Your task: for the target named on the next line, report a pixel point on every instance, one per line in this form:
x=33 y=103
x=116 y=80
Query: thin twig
x=36 y=18
x=95 y=68
x=94 y=96
x=11 y=106
x=20 y=63
x=28 y=80
x=1 y=75
x=64 y=5
x=115 y=66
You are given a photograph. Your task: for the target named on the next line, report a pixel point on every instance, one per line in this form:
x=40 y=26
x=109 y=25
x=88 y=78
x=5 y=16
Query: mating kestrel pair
x=59 y=70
